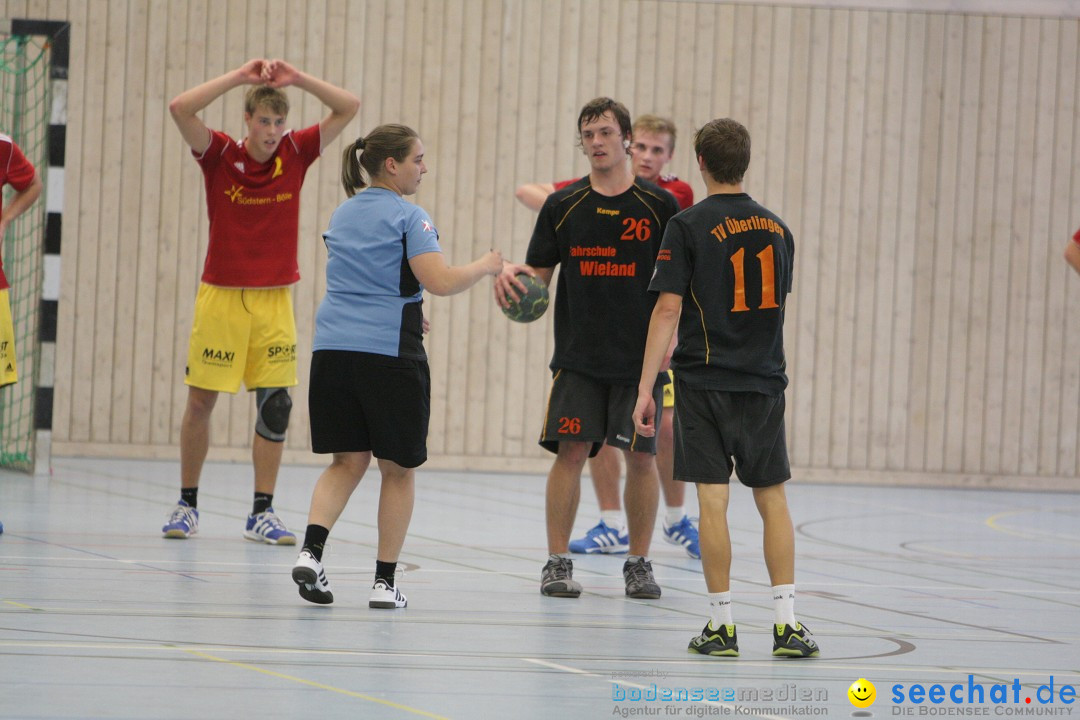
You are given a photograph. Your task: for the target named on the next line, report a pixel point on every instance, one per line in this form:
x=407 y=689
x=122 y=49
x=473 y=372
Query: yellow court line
x=314 y=684
x=993 y=520
x=18 y=604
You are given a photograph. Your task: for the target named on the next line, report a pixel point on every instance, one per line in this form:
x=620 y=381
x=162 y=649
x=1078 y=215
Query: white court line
x=567 y=668
x=579 y=671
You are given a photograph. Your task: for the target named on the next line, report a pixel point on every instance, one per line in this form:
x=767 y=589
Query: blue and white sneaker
x=684 y=533
x=183 y=523
x=267 y=527
x=602 y=539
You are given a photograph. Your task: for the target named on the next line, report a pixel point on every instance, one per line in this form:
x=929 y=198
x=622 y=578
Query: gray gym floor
x=102 y=618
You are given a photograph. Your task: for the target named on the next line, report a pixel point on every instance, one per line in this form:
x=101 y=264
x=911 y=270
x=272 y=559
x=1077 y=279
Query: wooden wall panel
x=907 y=247
x=1062 y=345
x=924 y=160
x=965 y=243
x=978 y=315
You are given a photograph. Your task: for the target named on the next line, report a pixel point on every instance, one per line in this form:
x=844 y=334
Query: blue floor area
x=949 y=602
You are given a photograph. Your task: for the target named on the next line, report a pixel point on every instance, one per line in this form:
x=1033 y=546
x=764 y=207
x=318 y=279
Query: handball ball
x=532 y=304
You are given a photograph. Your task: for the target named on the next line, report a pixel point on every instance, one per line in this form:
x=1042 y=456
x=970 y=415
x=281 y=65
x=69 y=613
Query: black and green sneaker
x=718 y=643
x=793 y=642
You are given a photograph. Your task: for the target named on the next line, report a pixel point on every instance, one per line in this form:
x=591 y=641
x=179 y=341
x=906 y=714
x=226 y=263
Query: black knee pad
x=273 y=406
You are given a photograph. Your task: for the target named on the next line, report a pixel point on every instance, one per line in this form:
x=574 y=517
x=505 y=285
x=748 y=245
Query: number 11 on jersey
x=768 y=275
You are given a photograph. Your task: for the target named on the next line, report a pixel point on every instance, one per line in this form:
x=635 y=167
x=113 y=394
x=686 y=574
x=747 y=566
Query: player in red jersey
x=1072 y=252
x=243 y=329
x=651 y=149
x=15 y=170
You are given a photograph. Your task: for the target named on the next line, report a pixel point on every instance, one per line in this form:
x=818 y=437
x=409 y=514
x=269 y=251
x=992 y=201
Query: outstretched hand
x=508 y=289
x=279 y=74
x=492 y=262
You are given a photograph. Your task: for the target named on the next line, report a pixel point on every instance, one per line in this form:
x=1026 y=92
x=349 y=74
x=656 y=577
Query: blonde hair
x=656 y=125
x=272 y=99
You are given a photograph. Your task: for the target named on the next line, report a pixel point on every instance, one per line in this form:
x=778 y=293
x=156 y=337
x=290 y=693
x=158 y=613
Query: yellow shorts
x=8 y=371
x=669 y=391
x=242 y=334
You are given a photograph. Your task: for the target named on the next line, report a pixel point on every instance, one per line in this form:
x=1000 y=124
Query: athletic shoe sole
x=792 y=653
x=609 y=550
x=386 y=604
x=795 y=646
x=388 y=601
x=673 y=541
x=714 y=653
x=256 y=537
x=306 y=579
x=644 y=595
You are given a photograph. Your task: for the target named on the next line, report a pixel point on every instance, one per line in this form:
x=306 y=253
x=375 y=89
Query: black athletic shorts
x=361 y=402
x=716 y=430
x=583 y=409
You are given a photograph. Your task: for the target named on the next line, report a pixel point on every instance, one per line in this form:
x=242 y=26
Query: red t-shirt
x=1076 y=237
x=254 y=209
x=17 y=171
x=683 y=193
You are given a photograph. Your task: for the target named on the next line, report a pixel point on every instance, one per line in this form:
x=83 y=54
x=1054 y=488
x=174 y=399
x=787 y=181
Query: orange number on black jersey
x=637 y=229
x=569 y=426
x=768 y=282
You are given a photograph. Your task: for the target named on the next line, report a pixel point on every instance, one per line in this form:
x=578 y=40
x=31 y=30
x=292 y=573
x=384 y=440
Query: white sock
x=613 y=519
x=784 y=601
x=720 y=610
x=673 y=515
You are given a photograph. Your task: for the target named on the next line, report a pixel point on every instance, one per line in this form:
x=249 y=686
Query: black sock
x=315 y=539
x=263 y=501
x=385 y=571
x=190 y=496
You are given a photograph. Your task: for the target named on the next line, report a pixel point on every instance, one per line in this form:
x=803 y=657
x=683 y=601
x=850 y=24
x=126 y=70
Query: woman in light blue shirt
x=370 y=388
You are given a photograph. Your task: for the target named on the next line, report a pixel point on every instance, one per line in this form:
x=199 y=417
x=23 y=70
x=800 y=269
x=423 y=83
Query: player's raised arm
x=533 y=195
x=342 y=103
x=186 y=106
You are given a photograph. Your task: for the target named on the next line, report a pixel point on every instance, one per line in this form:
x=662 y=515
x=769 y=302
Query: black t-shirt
x=607 y=247
x=732 y=261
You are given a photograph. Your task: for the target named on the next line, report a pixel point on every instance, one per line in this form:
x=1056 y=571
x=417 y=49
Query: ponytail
x=368 y=155
x=352 y=175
